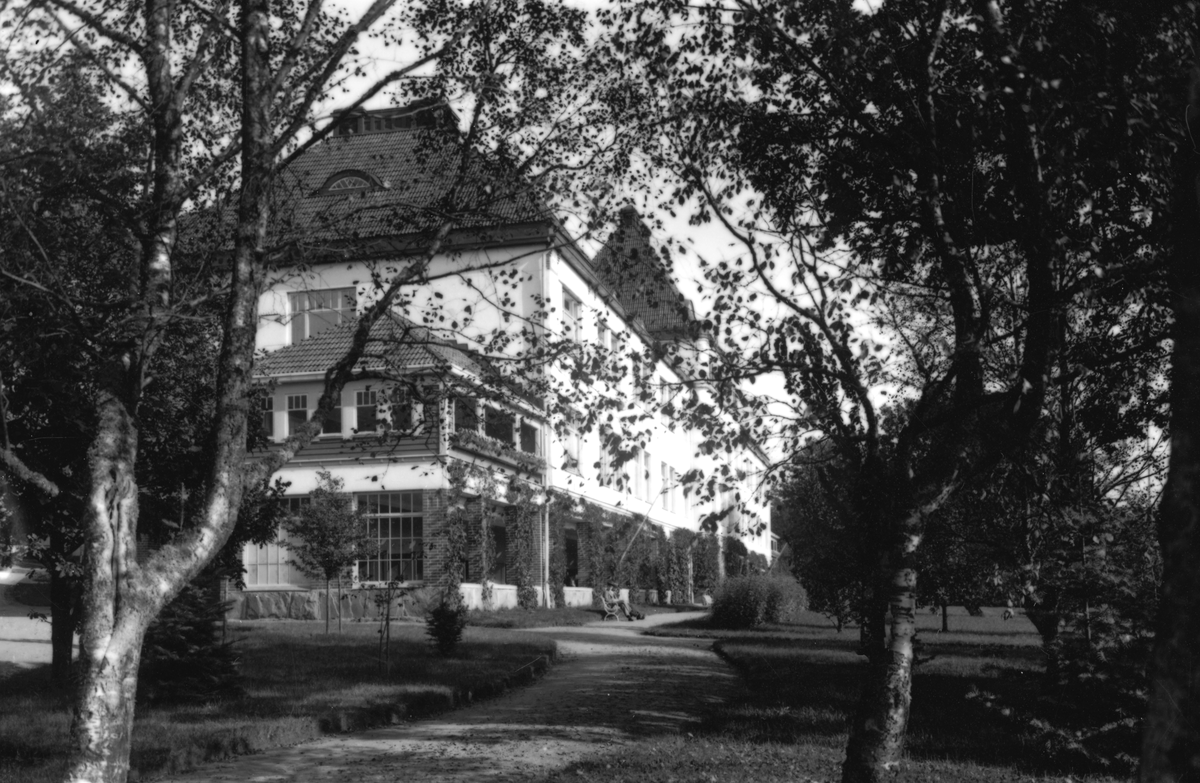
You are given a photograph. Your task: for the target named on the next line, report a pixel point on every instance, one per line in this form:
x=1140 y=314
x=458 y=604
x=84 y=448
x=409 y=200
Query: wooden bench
x=610 y=609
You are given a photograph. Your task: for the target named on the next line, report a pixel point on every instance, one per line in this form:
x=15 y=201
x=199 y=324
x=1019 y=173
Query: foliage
x=748 y=601
x=524 y=518
x=940 y=236
x=184 y=656
x=653 y=560
x=475 y=441
x=328 y=534
x=827 y=539
x=445 y=626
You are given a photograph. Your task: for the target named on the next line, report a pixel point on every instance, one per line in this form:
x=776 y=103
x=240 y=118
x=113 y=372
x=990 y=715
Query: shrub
x=747 y=601
x=183 y=656
x=446 y=621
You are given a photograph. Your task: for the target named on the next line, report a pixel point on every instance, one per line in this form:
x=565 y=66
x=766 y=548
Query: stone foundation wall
x=310 y=605
x=578 y=596
x=360 y=604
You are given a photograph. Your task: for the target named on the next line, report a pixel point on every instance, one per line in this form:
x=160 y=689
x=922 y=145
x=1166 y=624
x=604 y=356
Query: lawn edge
x=349 y=721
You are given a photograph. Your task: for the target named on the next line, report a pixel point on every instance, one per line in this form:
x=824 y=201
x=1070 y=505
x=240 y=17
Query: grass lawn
x=559 y=616
x=298 y=685
x=803 y=680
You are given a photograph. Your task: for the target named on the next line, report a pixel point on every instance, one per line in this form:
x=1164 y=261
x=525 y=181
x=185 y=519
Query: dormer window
x=348 y=182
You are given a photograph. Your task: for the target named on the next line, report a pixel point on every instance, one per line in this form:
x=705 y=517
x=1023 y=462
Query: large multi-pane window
x=395 y=520
x=315 y=311
x=270 y=565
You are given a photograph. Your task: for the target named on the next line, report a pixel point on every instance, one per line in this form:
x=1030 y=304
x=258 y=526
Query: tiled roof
x=630 y=266
x=412 y=172
x=393 y=345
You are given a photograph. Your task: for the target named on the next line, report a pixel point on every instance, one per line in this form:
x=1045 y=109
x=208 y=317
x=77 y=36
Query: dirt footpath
x=611 y=686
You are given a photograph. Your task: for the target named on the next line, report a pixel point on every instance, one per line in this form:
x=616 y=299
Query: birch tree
x=219 y=98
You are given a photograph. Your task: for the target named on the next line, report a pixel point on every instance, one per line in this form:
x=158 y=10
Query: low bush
x=747 y=601
x=446 y=622
x=184 y=658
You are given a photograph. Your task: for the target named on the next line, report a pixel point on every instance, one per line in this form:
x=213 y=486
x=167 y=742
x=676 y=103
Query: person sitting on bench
x=613 y=598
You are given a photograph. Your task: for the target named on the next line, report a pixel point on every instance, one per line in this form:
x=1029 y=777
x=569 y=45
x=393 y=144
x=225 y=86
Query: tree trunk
x=63 y=619
x=1171 y=732
x=878 y=727
x=339 y=603
x=1048 y=621
x=115 y=612
x=721 y=571
x=945 y=618
x=103 y=724
x=326 y=606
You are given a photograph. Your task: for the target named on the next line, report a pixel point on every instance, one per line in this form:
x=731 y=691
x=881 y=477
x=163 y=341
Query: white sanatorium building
x=440 y=427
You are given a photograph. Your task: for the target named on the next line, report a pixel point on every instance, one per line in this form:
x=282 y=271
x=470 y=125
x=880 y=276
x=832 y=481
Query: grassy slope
x=802 y=683
x=298 y=684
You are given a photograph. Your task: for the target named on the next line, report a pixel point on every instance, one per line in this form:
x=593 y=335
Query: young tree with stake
x=328 y=535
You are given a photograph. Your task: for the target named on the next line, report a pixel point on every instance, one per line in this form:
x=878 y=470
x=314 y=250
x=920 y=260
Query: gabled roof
x=394 y=344
x=412 y=173
x=631 y=267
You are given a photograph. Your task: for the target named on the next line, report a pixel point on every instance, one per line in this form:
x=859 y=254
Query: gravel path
x=610 y=687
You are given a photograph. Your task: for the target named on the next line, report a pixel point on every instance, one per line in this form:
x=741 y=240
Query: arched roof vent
x=349 y=181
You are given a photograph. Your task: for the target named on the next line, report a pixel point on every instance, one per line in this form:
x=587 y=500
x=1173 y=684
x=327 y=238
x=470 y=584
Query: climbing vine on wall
x=683 y=562
x=475 y=494
x=524 y=515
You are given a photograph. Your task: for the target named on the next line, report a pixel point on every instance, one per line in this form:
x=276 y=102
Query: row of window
x=503 y=425
x=395 y=521
x=375 y=411
x=639 y=477
x=393 y=409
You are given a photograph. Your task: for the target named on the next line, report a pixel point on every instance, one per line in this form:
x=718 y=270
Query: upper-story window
x=571 y=315
x=668 y=483
x=498 y=424
x=297 y=412
x=641 y=475
x=267 y=401
x=572 y=445
x=315 y=311
x=465 y=417
x=387 y=409
x=332 y=425
x=366 y=406
x=529 y=438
